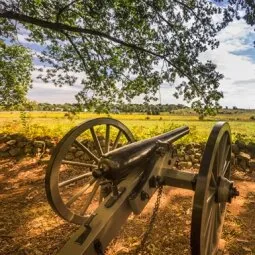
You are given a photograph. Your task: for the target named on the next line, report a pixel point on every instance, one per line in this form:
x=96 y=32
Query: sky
x=235 y=59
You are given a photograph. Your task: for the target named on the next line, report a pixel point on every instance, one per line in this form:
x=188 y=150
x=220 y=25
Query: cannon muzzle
x=116 y=164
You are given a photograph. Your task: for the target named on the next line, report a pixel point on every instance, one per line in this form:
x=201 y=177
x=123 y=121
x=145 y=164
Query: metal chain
x=147 y=233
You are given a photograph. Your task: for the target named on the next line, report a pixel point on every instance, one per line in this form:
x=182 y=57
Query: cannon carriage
x=98 y=175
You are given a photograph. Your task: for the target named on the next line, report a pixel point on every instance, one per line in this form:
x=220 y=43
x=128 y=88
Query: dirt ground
x=29 y=226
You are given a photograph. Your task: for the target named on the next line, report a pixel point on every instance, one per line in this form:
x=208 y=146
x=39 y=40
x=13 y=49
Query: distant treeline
x=125 y=108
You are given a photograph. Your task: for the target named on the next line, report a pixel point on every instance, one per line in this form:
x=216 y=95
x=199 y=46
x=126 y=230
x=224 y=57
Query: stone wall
x=16 y=145
x=189 y=156
x=243 y=155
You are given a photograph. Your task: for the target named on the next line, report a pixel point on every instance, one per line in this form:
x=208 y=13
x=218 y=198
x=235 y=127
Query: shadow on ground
x=29 y=226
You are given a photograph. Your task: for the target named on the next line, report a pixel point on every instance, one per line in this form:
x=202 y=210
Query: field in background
x=56 y=124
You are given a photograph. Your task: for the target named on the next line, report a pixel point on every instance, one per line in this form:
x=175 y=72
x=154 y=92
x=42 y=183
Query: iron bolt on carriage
x=97 y=184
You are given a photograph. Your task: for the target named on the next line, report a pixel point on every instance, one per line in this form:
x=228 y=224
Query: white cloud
x=236 y=37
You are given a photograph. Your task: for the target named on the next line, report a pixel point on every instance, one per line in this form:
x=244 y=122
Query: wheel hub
x=226 y=190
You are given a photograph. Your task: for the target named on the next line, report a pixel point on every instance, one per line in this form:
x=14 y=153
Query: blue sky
x=235 y=58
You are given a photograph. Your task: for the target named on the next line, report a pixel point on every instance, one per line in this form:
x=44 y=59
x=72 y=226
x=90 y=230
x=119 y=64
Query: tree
x=238 y=9
x=118 y=44
x=15 y=74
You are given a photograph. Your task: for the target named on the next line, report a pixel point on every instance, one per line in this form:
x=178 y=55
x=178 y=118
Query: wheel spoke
x=90 y=198
x=218 y=214
x=85 y=149
x=213 y=182
x=96 y=142
x=82 y=176
x=107 y=138
x=226 y=168
x=75 y=163
x=210 y=198
x=209 y=241
x=208 y=233
x=79 y=193
x=216 y=223
x=208 y=223
x=227 y=150
x=116 y=140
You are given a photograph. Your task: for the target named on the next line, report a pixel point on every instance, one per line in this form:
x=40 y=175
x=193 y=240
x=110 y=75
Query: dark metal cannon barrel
x=116 y=164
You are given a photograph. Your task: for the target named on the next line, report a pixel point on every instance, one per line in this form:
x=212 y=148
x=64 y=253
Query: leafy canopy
x=15 y=74
x=123 y=48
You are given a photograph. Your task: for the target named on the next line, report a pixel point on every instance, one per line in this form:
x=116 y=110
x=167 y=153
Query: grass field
x=56 y=124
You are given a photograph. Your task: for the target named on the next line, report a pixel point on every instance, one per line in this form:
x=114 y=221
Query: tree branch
x=192 y=11
x=60 y=27
x=61 y=10
x=76 y=49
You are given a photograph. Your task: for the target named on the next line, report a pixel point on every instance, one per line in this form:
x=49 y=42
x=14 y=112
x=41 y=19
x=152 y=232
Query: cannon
x=98 y=175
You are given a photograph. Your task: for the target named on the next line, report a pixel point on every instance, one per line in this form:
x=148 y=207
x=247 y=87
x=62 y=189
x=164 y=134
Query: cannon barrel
x=116 y=164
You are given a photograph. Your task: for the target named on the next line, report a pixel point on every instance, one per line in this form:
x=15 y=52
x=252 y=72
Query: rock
x=85 y=157
x=21 y=144
x=73 y=149
x=49 y=144
x=180 y=153
x=182 y=164
x=3 y=137
x=37 y=150
x=196 y=161
x=28 y=149
x=78 y=154
x=39 y=144
x=244 y=156
x=197 y=146
x=4 y=154
x=252 y=164
x=187 y=157
x=185 y=164
x=192 y=158
x=196 y=166
x=198 y=156
x=189 y=146
x=69 y=156
x=189 y=164
x=241 y=145
x=15 y=152
x=178 y=146
x=235 y=149
x=245 y=248
x=181 y=158
x=243 y=164
x=251 y=149
x=49 y=150
x=190 y=151
x=11 y=142
x=4 y=147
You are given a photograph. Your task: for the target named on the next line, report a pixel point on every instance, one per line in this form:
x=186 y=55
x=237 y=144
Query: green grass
x=56 y=124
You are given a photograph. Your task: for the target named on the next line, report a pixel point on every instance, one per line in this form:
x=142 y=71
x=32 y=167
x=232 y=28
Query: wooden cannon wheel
x=210 y=199
x=72 y=191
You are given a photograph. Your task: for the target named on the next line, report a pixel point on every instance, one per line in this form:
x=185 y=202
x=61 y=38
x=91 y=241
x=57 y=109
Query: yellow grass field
x=56 y=124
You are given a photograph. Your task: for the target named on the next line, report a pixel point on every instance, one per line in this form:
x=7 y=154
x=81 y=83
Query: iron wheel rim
x=207 y=214
x=52 y=173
